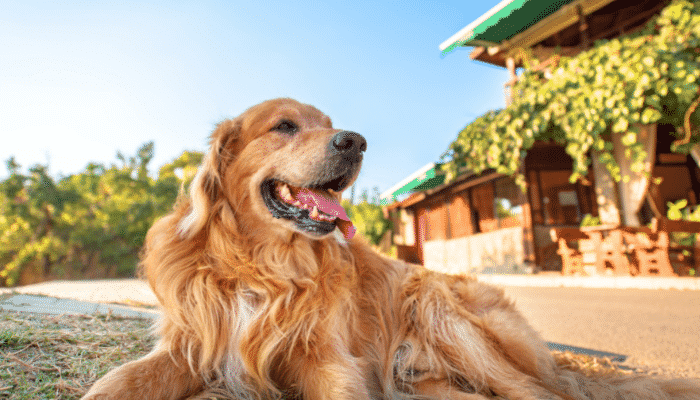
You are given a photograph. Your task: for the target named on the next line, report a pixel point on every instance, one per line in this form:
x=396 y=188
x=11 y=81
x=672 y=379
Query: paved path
x=52 y=305
x=554 y=279
x=128 y=291
x=656 y=329
x=83 y=297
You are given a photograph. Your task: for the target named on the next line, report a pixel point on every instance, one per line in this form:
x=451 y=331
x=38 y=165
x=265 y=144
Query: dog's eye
x=286 y=126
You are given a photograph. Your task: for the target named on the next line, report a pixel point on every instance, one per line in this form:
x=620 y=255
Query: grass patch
x=59 y=357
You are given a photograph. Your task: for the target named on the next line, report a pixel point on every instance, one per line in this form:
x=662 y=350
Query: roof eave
x=553 y=23
x=549 y=25
x=467 y=33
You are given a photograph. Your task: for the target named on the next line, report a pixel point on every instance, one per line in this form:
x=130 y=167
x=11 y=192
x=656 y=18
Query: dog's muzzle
x=312 y=205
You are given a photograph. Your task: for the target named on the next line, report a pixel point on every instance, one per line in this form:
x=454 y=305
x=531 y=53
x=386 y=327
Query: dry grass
x=59 y=357
x=588 y=365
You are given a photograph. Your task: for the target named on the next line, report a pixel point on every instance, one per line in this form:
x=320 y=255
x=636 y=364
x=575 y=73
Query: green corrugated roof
x=507 y=19
x=428 y=179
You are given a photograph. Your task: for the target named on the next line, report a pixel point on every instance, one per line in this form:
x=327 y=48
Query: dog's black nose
x=347 y=142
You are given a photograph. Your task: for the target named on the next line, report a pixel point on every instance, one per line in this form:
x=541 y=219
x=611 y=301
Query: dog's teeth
x=314 y=212
x=284 y=191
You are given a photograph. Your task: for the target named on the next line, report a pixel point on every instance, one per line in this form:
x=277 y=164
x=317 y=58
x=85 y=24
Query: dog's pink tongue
x=329 y=206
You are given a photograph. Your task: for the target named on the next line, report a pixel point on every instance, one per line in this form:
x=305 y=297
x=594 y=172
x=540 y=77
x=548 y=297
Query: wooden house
x=483 y=222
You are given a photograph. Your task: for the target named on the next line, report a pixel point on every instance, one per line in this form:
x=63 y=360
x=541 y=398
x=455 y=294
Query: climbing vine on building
x=649 y=77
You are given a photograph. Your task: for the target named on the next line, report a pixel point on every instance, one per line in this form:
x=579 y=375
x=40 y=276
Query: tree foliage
x=367 y=216
x=649 y=77
x=87 y=224
x=93 y=223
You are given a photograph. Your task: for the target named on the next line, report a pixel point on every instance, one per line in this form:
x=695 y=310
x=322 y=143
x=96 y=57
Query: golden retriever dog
x=266 y=294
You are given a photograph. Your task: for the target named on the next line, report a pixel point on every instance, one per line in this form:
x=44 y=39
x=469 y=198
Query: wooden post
x=582 y=26
x=510 y=64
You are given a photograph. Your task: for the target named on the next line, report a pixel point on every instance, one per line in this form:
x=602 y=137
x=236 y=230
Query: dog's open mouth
x=313 y=209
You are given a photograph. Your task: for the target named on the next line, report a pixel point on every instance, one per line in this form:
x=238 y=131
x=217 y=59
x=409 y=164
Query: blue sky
x=82 y=80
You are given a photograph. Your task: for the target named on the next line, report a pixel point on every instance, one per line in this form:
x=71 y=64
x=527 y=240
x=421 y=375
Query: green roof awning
x=425 y=178
x=502 y=22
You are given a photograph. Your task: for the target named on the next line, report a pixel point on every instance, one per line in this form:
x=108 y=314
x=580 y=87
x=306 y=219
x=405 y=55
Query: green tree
x=367 y=216
x=88 y=224
x=30 y=204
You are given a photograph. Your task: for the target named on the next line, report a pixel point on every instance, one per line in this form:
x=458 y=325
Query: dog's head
x=279 y=166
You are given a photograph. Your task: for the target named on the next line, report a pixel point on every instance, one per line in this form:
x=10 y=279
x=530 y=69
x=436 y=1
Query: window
x=508 y=203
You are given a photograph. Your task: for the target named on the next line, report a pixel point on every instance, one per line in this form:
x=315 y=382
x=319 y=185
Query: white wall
x=499 y=251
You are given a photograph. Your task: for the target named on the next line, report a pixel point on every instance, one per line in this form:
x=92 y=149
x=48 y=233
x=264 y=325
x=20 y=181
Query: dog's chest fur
x=250 y=309
x=246 y=309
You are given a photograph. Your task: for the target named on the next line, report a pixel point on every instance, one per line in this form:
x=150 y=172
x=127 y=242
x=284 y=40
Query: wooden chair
x=687 y=256
x=571 y=256
x=610 y=249
x=650 y=253
x=653 y=250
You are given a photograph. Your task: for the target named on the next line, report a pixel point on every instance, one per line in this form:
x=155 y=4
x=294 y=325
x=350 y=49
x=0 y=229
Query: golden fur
x=255 y=308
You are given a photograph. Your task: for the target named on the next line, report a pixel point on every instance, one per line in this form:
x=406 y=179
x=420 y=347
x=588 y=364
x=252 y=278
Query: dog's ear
x=206 y=188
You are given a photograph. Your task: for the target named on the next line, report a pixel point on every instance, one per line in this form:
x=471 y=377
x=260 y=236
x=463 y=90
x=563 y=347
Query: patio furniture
x=677 y=252
x=598 y=246
x=655 y=253
x=567 y=240
x=649 y=249
x=608 y=248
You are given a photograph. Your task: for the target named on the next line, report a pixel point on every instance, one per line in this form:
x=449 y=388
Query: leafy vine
x=649 y=77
